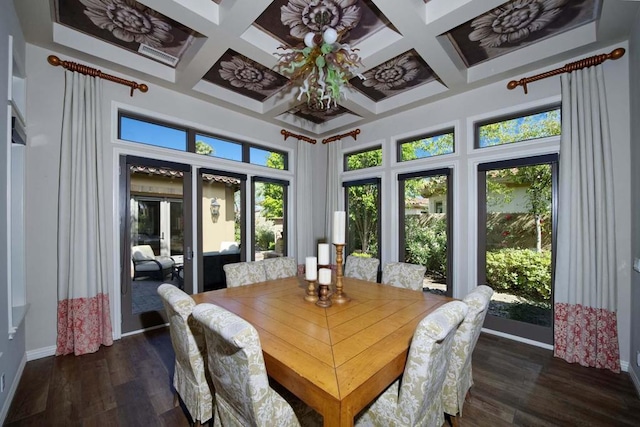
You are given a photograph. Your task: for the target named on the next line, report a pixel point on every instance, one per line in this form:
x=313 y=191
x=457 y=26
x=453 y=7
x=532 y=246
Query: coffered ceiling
x=413 y=51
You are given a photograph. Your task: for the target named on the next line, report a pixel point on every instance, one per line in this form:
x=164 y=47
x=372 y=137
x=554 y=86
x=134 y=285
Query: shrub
x=521 y=272
x=426 y=243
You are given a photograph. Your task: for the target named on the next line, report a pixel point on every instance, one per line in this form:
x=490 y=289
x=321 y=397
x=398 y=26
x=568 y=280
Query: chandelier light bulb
x=330 y=36
x=308 y=40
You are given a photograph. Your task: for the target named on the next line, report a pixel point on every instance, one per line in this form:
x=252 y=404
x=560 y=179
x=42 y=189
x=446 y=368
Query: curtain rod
x=571 y=66
x=287 y=134
x=83 y=69
x=354 y=133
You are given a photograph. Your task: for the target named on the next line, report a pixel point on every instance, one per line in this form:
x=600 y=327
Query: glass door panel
x=153 y=238
x=425 y=224
x=269 y=218
x=516 y=251
x=221 y=224
x=363 y=218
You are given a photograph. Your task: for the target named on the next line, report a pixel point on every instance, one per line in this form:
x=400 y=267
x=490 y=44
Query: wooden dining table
x=336 y=359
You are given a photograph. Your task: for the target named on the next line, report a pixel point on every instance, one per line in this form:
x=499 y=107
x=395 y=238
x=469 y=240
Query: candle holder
x=324 y=301
x=339 y=296
x=311 y=292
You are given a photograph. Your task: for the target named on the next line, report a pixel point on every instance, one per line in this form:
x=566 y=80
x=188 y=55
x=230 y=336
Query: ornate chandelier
x=321 y=68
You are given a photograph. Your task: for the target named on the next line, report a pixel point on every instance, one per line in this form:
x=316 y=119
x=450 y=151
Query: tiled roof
x=172 y=173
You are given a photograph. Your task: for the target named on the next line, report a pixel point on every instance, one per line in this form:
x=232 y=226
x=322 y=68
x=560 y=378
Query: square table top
x=336 y=359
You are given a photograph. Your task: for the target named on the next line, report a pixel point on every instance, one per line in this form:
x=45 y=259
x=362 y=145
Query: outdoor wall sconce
x=215 y=209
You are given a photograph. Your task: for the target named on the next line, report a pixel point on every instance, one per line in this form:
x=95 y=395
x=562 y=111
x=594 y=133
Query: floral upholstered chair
x=237 y=369
x=244 y=273
x=191 y=378
x=404 y=275
x=459 y=379
x=280 y=267
x=414 y=399
x=362 y=268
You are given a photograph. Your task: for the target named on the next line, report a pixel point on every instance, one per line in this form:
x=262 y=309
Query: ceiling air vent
x=157 y=55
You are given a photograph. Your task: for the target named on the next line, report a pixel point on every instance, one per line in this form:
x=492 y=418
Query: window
x=426 y=146
x=145 y=131
x=515 y=243
x=519 y=128
x=425 y=224
x=216 y=147
x=363 y=159
x=269 y=208
x=363 y=217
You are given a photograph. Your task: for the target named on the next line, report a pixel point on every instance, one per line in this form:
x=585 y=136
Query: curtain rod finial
x=53 y=60
x=143 y=88
x=617 y=53
x=512 y=84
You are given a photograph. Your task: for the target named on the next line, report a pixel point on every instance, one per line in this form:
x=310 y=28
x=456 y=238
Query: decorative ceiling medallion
x=290 y=20
x=126 y=23
x=519 y=23
x=245 y=76
x=318 y=116
x=395 y=76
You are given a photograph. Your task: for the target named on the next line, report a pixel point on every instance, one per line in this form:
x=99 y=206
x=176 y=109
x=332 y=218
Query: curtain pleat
x=84 y=321
x=334 y=201
x=304 y=198
x=585 y=325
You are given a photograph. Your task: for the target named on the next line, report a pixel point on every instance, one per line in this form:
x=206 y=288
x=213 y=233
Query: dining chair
x=404 y=275
x=280 y=267
x=191 y=378
x=237 y=368
x=244 y=273
x=362 y=268
x=459 y=377
x=414 y=399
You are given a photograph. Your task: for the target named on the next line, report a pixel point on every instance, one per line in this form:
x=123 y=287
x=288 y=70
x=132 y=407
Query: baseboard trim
x=12 y=390
x=636 y=381
x=624 y=366
x=39 y=353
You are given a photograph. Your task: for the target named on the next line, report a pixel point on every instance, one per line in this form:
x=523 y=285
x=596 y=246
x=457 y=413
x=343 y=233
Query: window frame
x=377 y=181
x=442 y=132
x=285 y=211
x=345 y=158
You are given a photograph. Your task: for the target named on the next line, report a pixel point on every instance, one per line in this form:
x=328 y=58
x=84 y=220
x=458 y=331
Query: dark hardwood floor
x=129 y=384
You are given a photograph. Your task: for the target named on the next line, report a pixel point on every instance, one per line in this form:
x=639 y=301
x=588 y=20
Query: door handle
x=162 y=235
x=189 y=253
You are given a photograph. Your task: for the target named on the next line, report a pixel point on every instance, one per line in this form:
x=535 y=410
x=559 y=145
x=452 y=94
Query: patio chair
x=414 y=400
x=147 y=264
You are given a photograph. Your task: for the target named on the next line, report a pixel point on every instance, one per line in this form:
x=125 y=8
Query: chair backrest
x=404 y=275
x=280 y=267
x=187 y=339
x=237 y=369
x=244 y=273
x=419 y=398
x=362 y=268
x=459 y=379
x=142 y=252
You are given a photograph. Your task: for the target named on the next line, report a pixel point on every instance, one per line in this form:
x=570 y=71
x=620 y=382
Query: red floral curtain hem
x=84 y=324
x=586 y=335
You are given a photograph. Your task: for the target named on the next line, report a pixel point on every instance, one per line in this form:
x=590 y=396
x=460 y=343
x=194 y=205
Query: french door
x=156 y=235
x=516 y=212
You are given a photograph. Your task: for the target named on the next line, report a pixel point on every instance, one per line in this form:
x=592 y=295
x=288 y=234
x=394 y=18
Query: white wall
x=12 y=351
x=634 y=90
x=486 y=102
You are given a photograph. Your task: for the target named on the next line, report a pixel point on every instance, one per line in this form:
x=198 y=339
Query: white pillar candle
x=324 y=276
x=323 y=253
x=339 y=220
x=311 y=268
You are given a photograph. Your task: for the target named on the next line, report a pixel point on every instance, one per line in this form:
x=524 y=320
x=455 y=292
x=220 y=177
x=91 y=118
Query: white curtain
x=84 y=321
x=334 y=199
x=304 y=202
x=585 y=280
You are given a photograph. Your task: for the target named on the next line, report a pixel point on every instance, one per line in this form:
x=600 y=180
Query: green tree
x=204 y=148
x=363 y=205
x=272 y=194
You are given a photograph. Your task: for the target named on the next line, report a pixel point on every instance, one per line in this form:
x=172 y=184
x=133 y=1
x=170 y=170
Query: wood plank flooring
x=129 y=384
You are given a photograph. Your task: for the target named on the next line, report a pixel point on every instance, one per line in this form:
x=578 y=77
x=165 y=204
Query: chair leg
x=197 y=423
x=454 y=421
x=176 y=401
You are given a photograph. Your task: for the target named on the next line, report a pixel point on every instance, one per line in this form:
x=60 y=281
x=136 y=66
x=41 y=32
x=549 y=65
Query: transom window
x=363 y=159
x=436 y=144
x=145 y=131
x=520 y=128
